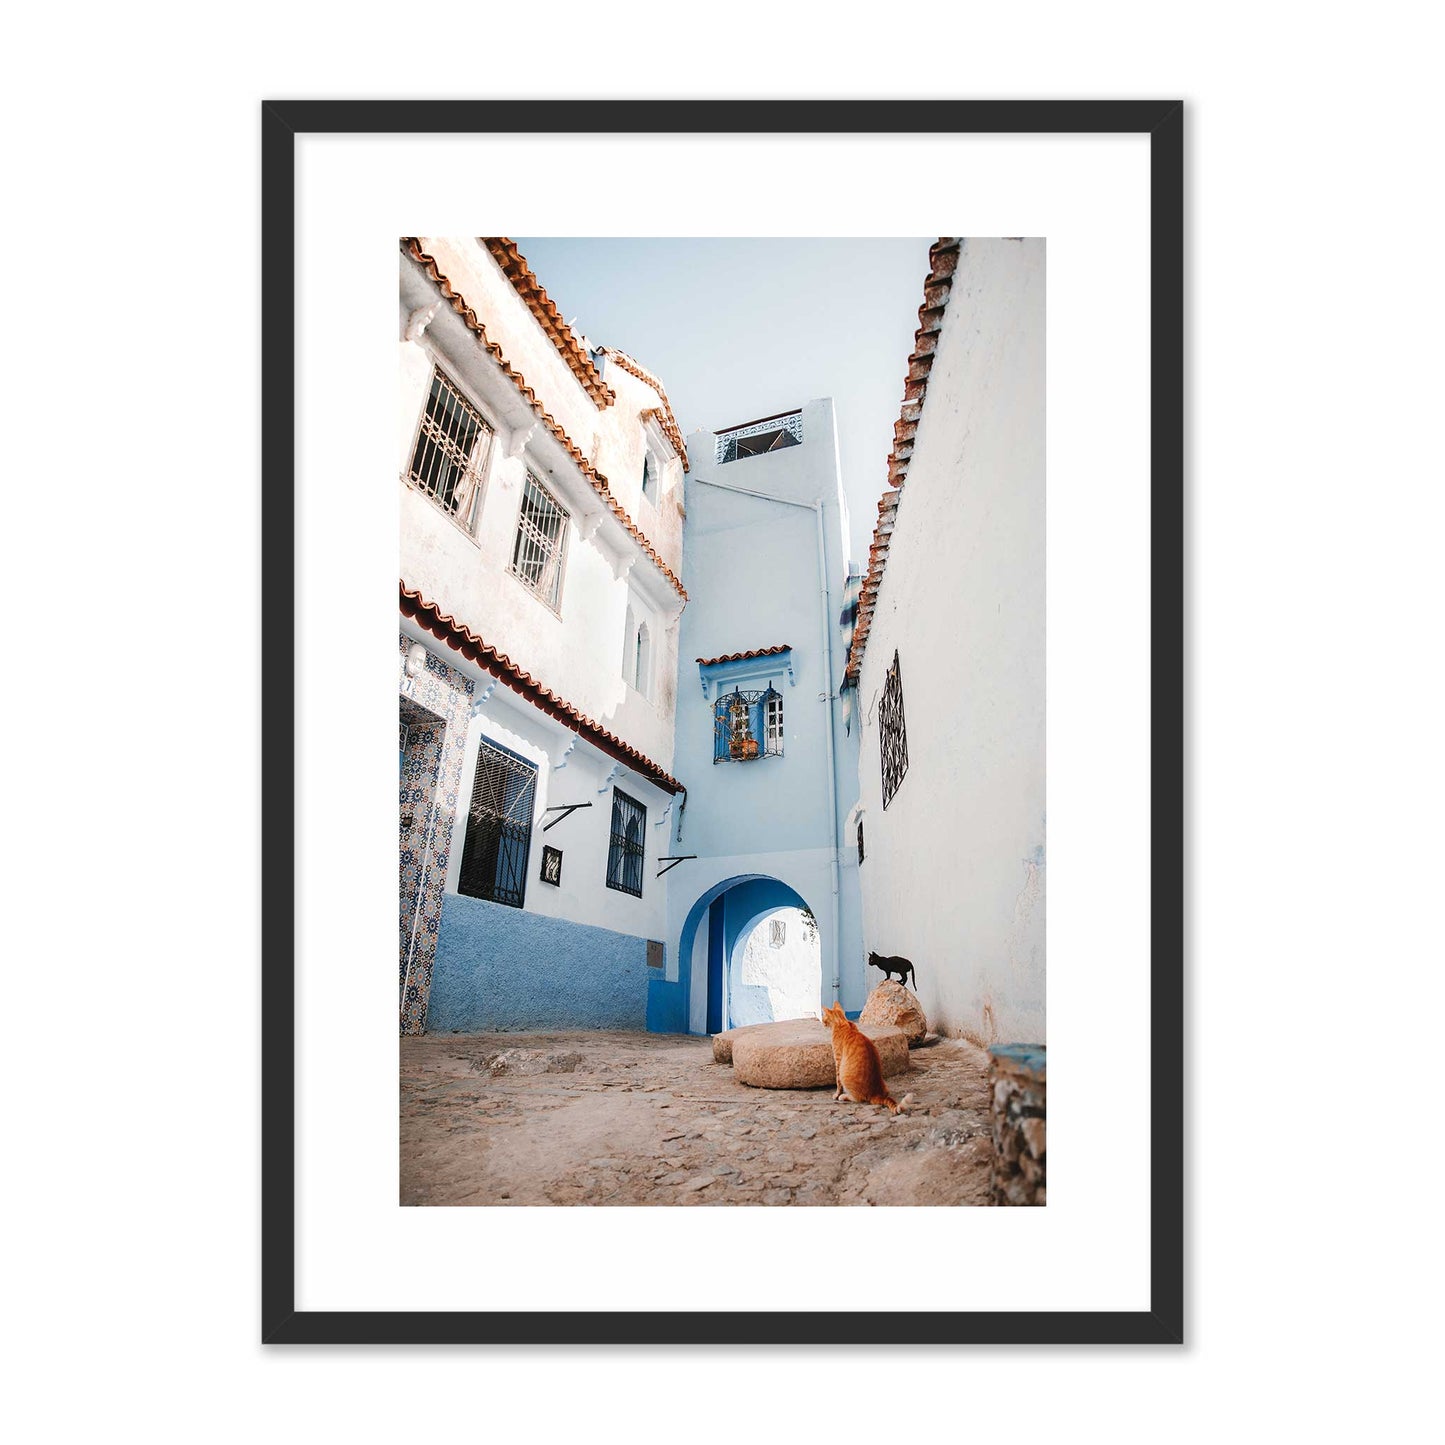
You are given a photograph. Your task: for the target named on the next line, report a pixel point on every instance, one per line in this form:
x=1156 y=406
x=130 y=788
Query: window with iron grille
x=626 y=851
x=892 y=736
x=499 y=827
x=450 y=453
x=747 y=726
x=777 y=933
x=541 y=545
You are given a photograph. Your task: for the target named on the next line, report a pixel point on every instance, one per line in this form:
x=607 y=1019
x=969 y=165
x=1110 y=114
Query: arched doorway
x=713 y=953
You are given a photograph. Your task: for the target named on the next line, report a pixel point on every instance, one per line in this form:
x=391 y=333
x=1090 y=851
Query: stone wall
x=1019 y=1106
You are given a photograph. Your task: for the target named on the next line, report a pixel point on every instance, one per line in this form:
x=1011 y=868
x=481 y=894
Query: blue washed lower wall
x=666 y=1006
x=504 y=968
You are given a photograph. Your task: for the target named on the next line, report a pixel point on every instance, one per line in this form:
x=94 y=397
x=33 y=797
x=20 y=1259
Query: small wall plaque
x=551 y=865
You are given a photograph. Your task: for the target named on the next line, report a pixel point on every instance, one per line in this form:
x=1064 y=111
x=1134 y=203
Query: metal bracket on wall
x=566 y=810
x=673 y=862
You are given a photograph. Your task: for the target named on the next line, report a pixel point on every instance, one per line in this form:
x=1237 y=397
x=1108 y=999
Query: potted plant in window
x=741 y=742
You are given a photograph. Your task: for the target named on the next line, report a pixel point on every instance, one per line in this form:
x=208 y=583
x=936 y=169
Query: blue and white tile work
x=434 y=707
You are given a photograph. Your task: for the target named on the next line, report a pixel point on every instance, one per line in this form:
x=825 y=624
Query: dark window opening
x=626 y=851
x=499 y=827
x=860 y=840
x=892 y=735
x=754 y=446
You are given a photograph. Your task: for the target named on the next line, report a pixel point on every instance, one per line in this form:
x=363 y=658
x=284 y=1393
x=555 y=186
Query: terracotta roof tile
x=514 y=267
x=594 y=477
x=665 y=420
x=739 y=656
x=942 y=261
x=461 y=638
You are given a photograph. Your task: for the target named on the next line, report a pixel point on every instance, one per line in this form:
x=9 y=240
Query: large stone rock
x=891 y=1003
x=722 y=1044
x=798 y=1053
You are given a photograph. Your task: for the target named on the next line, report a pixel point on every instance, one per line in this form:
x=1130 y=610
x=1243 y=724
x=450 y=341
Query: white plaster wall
x=583 y=837
x=578 y=650
x=954 y=873
x=610 y=437
x=792 y=973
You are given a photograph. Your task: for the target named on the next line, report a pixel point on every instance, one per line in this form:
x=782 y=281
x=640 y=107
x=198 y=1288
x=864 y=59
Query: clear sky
x=739 y=329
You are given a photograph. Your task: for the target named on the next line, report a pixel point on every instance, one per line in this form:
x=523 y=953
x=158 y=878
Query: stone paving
x=632 y=1119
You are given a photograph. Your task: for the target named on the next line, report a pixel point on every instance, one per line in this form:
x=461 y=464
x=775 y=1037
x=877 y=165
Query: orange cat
x=857 y=1067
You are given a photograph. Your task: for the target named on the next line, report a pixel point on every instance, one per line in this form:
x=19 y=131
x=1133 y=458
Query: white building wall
x=583 y=836
x=792 y=972
x=954 y=871
x=753 y=572
x=578 y=651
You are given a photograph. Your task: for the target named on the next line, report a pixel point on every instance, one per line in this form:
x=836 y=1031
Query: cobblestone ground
x=621 y=1118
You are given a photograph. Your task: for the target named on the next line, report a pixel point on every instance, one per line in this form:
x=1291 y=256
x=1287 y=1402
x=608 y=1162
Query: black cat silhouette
x=892 y=965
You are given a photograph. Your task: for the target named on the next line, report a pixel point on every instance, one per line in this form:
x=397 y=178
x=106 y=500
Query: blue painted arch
x=731 y=908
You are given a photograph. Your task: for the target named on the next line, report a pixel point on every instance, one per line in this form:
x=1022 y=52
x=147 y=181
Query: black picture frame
x=1163 y=122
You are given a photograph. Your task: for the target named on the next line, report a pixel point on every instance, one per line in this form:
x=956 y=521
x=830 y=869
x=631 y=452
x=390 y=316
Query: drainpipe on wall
x=816 y=507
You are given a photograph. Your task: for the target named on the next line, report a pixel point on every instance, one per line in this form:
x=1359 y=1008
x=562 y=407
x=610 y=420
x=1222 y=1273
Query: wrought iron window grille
x=747 y=726
x=540 y=549
x=449 y=455
x=769 y=435
x=892 y=735
x=499 y=827
x=777 y=933
x=627 y=849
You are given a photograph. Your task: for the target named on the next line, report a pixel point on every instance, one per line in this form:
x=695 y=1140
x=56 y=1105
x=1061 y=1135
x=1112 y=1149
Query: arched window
x=642 y=660
x=629 y=647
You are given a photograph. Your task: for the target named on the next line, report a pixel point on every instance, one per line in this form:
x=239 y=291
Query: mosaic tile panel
x=434 y=708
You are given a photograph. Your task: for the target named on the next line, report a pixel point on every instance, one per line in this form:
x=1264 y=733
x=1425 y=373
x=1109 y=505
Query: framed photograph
x=786 y=500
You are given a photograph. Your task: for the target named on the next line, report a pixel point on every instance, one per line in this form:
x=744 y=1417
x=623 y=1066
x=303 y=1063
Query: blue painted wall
x=753 y=578
x=506 y=968
x=666 y=1006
